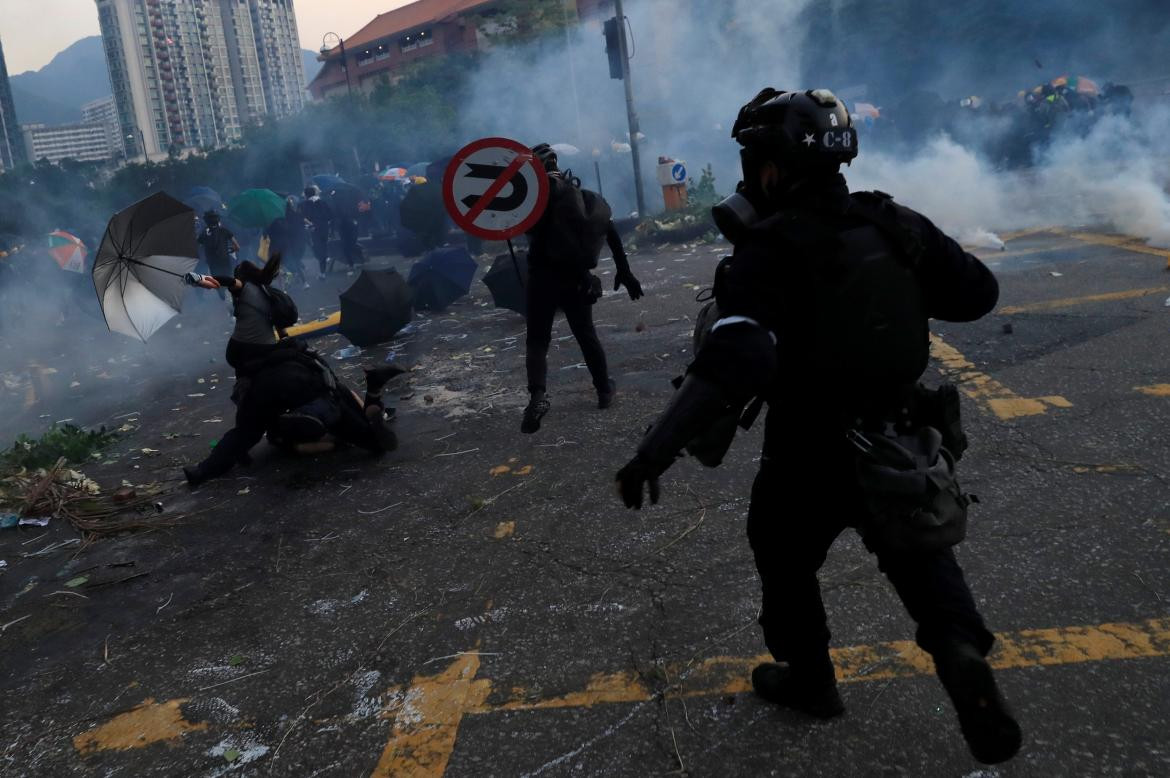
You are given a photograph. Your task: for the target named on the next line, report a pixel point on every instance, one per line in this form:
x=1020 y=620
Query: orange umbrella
x=68 y=251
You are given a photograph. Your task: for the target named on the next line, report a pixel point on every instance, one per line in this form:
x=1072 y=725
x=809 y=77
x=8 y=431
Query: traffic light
x=613 y=47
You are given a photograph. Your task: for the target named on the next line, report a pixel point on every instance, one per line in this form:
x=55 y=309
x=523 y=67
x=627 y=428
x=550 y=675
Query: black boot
x=991 y=732
x=195 y=475
x=814 y=693
x=385 y=437
x=537 y=407
x=605 y=396
x=377 y=378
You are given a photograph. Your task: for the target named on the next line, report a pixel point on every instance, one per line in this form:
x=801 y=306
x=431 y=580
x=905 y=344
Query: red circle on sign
x=468 y=225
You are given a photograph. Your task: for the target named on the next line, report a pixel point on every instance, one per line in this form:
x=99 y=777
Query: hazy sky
x=34 y=31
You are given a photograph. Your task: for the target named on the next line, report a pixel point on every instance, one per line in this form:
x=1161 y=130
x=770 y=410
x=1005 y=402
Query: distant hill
x=55 y=93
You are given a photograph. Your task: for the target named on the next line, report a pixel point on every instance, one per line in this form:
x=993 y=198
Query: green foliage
x=523 y=21
x=75 y=444
x=702 y=194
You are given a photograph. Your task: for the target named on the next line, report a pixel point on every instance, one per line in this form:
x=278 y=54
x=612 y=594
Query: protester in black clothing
x=318 y=218
x=293 y=396
x=823 y=312
x=217 y=245
x=559 y=259
x=347 y=231
x=286 y=237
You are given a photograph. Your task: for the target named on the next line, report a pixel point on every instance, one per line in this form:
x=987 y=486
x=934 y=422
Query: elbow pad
x=692 y=409
x=738 y=356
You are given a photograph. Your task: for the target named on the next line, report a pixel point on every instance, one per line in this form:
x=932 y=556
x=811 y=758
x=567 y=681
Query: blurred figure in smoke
x=347 y=231
x=318 y=216
x=562 y=249
x=217 y=245
x=286 y=237
x=822 y=312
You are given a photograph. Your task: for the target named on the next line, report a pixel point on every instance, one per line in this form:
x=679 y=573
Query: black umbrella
x=376 y=307
x=508 y=281
x=139 y=268
x=345 y=199
x=442 y=277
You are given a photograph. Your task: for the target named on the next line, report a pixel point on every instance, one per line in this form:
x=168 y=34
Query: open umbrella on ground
x=507 y=281
x=139 y=268
x=67 y=251
x=375 y=308
x=325 y=181
x=442 y=277
x=256 y=208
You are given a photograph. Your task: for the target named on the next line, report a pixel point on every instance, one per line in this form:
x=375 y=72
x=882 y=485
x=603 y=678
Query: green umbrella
x=256 y=208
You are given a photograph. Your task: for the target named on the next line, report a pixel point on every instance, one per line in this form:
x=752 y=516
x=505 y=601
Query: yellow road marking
x=426 y=722
x=1125 y=242
x=985 y=390
x=991 y=255
x=504 y=530
x=1157 y=390
x=1068 y=302
x=1017 y=234
x=148 y=722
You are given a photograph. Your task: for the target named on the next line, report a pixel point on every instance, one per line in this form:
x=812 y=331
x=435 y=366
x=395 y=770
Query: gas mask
x=737 y=214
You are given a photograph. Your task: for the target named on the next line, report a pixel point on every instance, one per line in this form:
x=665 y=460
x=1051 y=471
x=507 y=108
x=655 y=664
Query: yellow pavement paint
x=499 y=470
x=1069 y=302
x=1157 y=390
x=146 y=723
x=426 y=722
x=429 y=711
x=1017 y=234
x=985 y=390
x=1124 y=242
x=504 y=530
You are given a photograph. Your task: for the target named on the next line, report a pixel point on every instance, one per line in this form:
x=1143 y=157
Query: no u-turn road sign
x=495 y=189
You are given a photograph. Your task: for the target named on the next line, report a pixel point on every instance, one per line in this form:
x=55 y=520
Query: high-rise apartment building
x=104 y=111
x=81 y=142
x=11 y=140
x=191 y=74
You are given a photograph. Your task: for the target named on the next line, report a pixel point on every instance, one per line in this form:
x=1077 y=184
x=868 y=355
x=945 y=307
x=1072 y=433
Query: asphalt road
x=478 y=603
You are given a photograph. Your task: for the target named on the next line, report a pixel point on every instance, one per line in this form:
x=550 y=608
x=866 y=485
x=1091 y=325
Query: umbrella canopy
x=393 y=174
x=256 y=208
x=565 y=149
x=326 y=181
x=68 y=251
x=139 y=268
x=419 y=169
x=442 y=277
x=375 y=308
x=507 y=281
x=346 y=199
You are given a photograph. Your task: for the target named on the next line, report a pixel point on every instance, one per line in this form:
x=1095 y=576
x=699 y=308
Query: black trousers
x=790 y=544
x=547 y=295
x=319 y=238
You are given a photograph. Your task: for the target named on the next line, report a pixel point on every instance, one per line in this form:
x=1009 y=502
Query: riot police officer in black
x=827 y=362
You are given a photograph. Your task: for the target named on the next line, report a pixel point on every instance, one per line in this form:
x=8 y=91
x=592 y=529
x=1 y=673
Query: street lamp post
x=326 y=48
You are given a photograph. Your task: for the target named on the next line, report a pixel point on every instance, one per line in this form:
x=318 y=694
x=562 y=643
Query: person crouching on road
x=562 y=248
x=823 y=312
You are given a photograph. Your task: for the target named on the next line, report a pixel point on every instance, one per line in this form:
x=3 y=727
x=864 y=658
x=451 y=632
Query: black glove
x=630 y=480
x=626 y=278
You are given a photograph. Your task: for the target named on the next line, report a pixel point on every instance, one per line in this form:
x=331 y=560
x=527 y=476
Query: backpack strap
x=877 y=209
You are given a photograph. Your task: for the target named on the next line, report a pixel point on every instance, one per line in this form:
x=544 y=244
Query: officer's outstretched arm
x=736 y=363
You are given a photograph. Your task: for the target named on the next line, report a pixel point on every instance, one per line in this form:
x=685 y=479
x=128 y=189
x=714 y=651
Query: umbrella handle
x=515 y=264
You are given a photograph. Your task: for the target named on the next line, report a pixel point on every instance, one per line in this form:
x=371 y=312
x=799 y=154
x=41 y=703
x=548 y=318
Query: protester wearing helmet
x=563 y=247
x=822 y=314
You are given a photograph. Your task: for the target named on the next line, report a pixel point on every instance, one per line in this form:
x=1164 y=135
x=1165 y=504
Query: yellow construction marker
x=1069 y=302
x=985 y=390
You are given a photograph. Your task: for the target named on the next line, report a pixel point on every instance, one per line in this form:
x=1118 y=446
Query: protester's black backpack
x=572 y=232
x=284 y=309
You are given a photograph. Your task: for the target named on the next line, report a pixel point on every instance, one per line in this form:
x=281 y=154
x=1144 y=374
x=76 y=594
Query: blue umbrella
x=325 y=181
x=202 y=199
x=442 y=277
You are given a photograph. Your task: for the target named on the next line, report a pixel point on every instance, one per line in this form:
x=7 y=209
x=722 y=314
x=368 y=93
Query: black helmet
x=211 y=218
x=546 y=155
x=312 y=191
x=812 y=126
